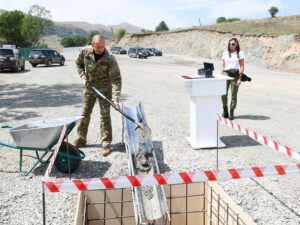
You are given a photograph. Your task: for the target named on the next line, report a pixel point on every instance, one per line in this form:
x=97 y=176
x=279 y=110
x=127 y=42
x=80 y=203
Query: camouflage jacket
x=104 y=72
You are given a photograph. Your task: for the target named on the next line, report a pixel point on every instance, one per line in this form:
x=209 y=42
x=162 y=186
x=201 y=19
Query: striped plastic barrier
x=261 y=138
x=168 y=178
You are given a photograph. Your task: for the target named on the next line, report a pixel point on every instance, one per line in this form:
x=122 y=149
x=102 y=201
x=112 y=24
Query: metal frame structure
x=132 y=146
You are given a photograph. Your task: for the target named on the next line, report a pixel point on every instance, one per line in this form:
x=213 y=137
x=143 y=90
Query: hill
x=62 y=29
x=272 y=43
x=127 y=26
x=270 y=26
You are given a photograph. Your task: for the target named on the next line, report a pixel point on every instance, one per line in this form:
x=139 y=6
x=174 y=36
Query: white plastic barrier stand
x=205 y=104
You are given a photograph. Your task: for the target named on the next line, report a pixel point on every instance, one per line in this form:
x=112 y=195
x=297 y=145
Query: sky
x=148 y=13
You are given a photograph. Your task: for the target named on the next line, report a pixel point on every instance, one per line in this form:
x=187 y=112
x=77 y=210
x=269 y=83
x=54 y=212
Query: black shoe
x=225 y=113
x=231 y=116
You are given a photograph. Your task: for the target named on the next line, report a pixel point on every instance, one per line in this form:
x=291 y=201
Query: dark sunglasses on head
x=233 y=44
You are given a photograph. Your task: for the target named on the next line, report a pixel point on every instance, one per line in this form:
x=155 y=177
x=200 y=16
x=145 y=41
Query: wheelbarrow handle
x=91 y=86
x=6 y=126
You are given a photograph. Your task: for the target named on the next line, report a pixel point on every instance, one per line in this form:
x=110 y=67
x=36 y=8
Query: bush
x=74 y=41
x=119 y=34
x=233 y=19
x=221 y=19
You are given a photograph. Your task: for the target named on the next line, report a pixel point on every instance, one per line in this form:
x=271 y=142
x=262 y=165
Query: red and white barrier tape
x=57 y=146
x=261 y=138
x=164 y=179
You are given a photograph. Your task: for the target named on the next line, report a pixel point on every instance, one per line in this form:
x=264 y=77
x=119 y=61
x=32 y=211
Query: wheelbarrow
x=41 y=137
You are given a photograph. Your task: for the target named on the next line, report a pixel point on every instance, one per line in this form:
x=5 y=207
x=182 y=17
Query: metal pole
x=44 y=203
x=217 y=144
x=68 y=153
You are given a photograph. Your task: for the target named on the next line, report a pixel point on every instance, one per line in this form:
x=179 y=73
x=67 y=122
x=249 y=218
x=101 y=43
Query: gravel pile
x=265 y=105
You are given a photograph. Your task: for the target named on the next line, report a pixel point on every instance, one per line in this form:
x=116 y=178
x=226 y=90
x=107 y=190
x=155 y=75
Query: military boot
x=225 y=112
x=231 y=115
x=80 y=142
x=106 y=150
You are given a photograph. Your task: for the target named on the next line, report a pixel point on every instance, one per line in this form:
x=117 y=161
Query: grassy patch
x=270 y=26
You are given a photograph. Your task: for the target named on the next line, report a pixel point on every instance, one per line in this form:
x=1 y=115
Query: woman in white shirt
x=232 y=65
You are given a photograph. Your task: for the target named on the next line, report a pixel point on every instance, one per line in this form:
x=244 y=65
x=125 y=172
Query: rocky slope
x=277 y=52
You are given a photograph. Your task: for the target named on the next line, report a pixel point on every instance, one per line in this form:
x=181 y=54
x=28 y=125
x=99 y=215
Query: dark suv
x=137 y=53
x=45 y=56
x=154 y=51
x=118 y=50
x=11 y=59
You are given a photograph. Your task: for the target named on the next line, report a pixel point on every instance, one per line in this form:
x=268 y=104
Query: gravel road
x=270 y=105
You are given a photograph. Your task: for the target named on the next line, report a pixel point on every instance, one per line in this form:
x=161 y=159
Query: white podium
x=205 y=101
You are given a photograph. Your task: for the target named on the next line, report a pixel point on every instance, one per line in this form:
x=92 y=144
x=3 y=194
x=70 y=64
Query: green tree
x=11 y=27
x=40 y=11
x=37 y=23
x=80 y=40
x=67 y=42
x=119 y=34
x=221 y=19
x=273 y=11
x=162 y=26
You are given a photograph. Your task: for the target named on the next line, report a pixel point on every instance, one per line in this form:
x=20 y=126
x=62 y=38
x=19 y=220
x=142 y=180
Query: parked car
x=148 y=52
x=118 y=50
x=155 y=51
x=46 y=56
x=10 y=58
x=137 y=53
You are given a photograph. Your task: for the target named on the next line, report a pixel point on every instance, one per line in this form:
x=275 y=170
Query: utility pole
x=200 y=22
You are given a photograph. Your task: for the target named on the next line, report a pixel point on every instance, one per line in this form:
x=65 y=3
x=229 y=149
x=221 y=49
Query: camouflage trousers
x=89 y=100
x=234 y=90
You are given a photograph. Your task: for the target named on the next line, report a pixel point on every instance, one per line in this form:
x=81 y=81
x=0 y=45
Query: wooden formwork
x=189 y=204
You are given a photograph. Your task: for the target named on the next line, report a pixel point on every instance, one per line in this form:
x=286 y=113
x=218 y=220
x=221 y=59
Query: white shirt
x=233 y=62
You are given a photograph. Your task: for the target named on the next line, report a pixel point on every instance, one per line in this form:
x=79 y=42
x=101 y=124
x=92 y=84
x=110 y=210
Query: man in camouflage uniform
x=96 y=65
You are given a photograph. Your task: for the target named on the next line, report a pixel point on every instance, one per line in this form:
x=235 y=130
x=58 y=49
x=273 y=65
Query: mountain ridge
x=65 y=28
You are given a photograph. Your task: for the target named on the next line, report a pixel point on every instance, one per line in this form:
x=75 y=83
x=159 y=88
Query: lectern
x=205 y=104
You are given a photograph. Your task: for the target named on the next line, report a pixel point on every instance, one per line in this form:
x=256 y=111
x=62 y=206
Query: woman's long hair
x=237 y=47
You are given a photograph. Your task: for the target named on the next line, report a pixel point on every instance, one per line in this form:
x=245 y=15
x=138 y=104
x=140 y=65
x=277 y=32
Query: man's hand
x=239 y=81
x=117 y=103
x=84 y=83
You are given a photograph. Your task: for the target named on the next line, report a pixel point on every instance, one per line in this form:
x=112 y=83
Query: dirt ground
x=269 y=105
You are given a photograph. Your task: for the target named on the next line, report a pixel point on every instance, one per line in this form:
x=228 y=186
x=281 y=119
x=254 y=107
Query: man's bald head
x=98 y=43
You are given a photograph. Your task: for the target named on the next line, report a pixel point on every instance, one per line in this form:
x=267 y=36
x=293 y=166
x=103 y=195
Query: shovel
x=142 y=129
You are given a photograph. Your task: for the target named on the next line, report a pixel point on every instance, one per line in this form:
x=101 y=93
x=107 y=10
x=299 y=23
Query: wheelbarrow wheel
x=62 y=161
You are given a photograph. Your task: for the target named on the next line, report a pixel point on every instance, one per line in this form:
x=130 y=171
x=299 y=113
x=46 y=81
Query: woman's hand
x=239 y=81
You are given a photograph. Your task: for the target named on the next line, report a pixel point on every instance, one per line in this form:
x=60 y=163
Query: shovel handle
x=112 y=104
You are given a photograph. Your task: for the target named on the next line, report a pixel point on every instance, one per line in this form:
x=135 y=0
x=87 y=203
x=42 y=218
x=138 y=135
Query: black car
x=118 y=50
x=11 y=59
x=148 y=52
x=137 y=53
x=155 y=51
x=45 y=56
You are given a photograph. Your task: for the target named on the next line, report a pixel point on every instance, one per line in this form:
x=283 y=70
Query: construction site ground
x=269 y=105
